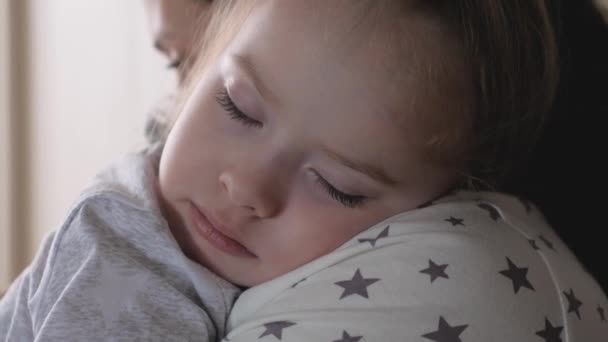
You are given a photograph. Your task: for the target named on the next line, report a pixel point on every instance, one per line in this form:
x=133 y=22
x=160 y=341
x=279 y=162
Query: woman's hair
x=508 y=47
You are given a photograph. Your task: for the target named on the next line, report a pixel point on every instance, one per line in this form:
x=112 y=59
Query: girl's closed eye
x=224 y=99
x=349 y=201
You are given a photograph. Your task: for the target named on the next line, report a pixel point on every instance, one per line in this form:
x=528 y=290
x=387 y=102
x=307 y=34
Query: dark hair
x=511 y=49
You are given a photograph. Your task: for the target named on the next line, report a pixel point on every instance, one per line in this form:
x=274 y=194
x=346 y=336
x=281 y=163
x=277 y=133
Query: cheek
x=315 y=230
x=183 y=160
x=169 y=174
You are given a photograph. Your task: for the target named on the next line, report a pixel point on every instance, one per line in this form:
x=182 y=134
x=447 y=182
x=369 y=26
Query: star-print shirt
x=114 y=272
x=470 y=267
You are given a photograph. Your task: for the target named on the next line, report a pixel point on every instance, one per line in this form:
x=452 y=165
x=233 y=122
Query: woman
x=174 y=26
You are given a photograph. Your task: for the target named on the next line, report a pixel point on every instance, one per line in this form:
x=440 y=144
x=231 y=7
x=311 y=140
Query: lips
x=214 y=234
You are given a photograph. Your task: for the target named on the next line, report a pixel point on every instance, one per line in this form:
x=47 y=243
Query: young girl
x=321 y=157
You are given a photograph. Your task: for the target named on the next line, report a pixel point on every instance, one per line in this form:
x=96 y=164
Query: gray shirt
x=113 y=271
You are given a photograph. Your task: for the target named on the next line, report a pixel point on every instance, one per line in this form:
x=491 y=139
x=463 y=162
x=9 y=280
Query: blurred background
x=77 y=79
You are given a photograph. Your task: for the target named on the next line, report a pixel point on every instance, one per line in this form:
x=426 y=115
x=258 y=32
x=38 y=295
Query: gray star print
x=347 y=338
x=533 y=244
x=382 y=234
x=455 y=221
x=517 y=275
x=550 y=333
x=445 y=332
x=600 y=311
x=435 y=271
x=298 y=283
x=357 y=285
x=494 y=214
x=526 y=204
x=573 y=303
x=276 y=329
x=547 y=242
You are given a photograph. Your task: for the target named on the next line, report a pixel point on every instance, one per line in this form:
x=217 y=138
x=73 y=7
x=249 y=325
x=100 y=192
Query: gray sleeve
x=15 y=317
x=14 y=314
x=90 y=283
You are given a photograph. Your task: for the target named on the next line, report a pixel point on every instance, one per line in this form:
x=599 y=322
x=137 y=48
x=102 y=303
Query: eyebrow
x=377 y=173
x=245 y=63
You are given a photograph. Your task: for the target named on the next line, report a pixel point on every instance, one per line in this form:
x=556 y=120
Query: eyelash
x=223 y=98
x=350 y=201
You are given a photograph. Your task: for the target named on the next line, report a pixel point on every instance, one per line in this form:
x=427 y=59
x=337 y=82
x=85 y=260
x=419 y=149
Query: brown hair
x=511 y=47
x=507 y=45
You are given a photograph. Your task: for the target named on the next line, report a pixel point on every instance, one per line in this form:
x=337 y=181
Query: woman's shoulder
x=120 y=205
x=131 y=178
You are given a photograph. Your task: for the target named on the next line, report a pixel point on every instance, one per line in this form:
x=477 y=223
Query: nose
x=255 y=192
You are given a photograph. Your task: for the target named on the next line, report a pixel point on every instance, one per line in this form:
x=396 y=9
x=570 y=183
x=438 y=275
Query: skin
x=173 y=27
x=252 y=167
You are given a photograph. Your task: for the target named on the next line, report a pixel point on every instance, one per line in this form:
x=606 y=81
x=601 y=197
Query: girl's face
x=173 y=26
x=293 y=142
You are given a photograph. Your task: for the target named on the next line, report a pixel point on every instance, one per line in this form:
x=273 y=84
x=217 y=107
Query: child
x=307 y=123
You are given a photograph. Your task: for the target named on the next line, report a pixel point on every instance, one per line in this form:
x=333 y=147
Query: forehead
x=339 y=51
x=337 y=80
